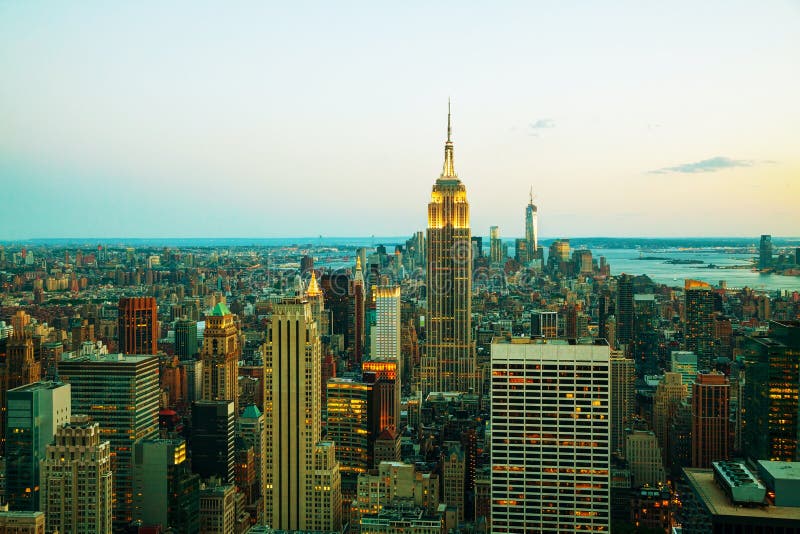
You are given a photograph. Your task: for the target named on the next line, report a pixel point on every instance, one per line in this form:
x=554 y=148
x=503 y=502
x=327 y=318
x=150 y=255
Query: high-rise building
x=699 y=332
x=35 y=412
x=336 y=289
x=185 y=339
x=294 y=454
x=532 y=228
x=77 y=489
x=22 y=522
x=19 y=367
x=220 y=356
x=352 y=424
x=765 y=252
x=495 y=245
x=317 y=299
x=544 y=324
x=670 y=393
x=252 y=430
x=645 y=458
x=453 y=476
x=386 y=332
x=218 y=509
x=644 y=345
x=120 y=392
x=212 y=439
x=684 y=362
x=138 y=325
x=166 y=492
x=770 y=415
x=624 y=311
x=623 y=399
x=450 y=358
x=547 y=476
x=356 y=316
x=710 y=417
x=384 y=377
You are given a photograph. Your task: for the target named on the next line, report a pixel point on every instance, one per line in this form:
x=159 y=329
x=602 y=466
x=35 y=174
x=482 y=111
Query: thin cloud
x=540 y=124
x=707 y=165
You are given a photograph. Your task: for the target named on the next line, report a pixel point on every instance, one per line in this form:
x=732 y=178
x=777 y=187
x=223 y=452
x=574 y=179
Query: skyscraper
x=351 y=424
x=356 y=317
x=35 y=412
x=220 y=355
x=19 y=368
x=771 y=417
x=765 y=252
x=120 y=392
x=185 y=338
x=450 y=358
x=294 y=454
x=670 y=393
x=495 y=245
x=699 y=332
x=710 y=416
x=252 y=429
x=624 y=311
x=138 y=325
x=386 y=332
x=644 y=344
x=77 y=479
x=532 y=228
x=623 y=399
x=548 y=476
x=212 y=439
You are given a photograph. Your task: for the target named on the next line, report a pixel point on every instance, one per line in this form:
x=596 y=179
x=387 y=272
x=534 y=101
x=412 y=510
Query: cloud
x=717 y=163
x=543 y=123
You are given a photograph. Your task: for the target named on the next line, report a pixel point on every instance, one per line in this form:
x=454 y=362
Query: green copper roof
x=251 y=412
x=220 y=309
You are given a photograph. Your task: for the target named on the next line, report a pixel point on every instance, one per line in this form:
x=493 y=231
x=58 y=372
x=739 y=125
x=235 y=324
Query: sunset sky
x=191 y=119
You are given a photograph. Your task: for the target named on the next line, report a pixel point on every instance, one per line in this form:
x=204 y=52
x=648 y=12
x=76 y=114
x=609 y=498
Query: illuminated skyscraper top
x=449 y=364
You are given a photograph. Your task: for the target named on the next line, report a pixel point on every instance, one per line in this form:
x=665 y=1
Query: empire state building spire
x=448 y=170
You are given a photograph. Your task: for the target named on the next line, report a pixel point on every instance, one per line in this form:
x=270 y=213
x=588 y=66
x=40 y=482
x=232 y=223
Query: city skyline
x=237 y=121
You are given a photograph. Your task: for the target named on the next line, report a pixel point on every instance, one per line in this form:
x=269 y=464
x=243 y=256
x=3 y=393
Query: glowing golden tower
x=450 y=359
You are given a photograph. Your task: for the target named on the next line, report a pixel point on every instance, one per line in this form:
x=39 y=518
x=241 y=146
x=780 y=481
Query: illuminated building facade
x=220 y=356
x=710 y=420
x=699 y=332
x=450 y=359
x=550 y=452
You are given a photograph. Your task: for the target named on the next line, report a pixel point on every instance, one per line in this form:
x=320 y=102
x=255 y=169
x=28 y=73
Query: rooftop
x=781 y=470
x=220 y=310
x=702 y=481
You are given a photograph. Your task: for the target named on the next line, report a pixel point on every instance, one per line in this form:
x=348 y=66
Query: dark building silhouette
x=624 y=310
x=212 y=440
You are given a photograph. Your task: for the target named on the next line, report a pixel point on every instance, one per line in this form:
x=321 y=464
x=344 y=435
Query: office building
x=120 y=393
x=450 y=357
x=623 y=399
x=218 y=509
x=550 y=476
x=220 y=356
x=292 y=363
x=18 y=368
x=644 y=345
x=684 y=362
x=624 y=311
x=356 y=316
x=77 y=479
x=352 y=424
x=386 y=332
x=185 y=339
x=384 y=377
x=670 y=393
x=699 y=331
x=212 y=439
x=710 y=420
x=253 y=431
x=35 y=412
x=138 y=325
x=495 y=245
x=765 y=252
x=166 y=492
x=22 y=523
x=645 y=459
x=770 y=394
x=544 y=324
x=453 y=477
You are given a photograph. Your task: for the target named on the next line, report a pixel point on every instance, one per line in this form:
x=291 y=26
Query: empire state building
x=449 y=364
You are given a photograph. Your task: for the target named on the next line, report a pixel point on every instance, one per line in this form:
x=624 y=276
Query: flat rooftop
x=702 y=480
x=782 y=470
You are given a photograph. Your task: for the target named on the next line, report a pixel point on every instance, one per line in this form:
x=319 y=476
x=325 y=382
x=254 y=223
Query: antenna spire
x=448 y=170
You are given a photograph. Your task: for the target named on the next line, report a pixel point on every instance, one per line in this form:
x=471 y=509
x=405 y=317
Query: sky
x=271 y=119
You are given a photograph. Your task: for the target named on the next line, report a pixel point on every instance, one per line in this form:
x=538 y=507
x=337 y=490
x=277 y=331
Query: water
x=627 y=261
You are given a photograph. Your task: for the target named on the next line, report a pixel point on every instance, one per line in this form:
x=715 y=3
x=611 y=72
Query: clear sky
x=190 y=119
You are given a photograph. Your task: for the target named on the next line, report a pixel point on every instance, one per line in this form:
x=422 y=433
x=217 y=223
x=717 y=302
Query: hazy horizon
x=208 y=120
